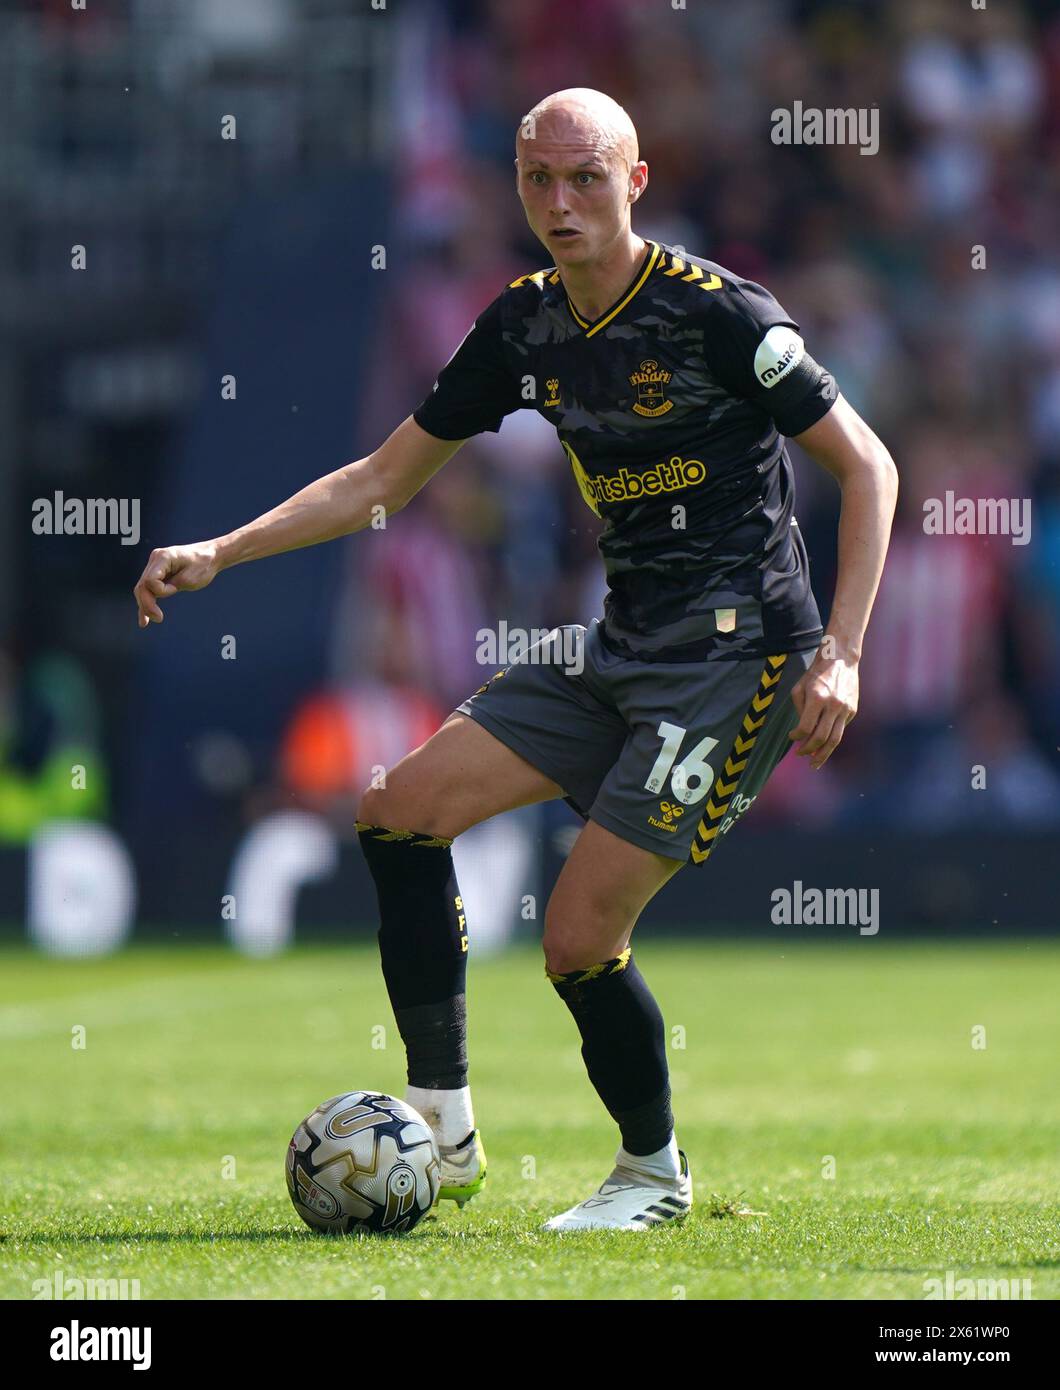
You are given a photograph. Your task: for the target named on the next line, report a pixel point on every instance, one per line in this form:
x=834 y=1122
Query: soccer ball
x=363 y=1162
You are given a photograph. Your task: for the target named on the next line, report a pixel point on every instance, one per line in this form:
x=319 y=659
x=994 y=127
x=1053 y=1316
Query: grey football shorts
x=666 y=755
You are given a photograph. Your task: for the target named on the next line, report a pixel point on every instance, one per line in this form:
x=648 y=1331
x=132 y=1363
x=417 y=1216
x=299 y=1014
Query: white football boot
x=630 y=1201
x=462 y=1157
x=463 y=1169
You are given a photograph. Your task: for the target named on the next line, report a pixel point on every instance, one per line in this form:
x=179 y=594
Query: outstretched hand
x=173 y=570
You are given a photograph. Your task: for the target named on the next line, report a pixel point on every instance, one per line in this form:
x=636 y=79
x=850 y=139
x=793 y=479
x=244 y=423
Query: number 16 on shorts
x=691 y=778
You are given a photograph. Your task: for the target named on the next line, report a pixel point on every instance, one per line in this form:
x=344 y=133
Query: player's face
x=576 y=196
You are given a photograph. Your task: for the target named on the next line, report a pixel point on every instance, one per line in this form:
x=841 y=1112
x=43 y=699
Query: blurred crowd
x=951 y=353
x=924 y=276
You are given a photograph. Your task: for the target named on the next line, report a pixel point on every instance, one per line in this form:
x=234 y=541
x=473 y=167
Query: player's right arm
x=335 y=505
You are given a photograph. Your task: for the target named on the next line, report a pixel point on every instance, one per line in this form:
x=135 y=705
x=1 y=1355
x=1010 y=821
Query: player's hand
x=826 y=698
x=173 y=570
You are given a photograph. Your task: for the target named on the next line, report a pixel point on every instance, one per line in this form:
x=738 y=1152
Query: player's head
x=578 y=168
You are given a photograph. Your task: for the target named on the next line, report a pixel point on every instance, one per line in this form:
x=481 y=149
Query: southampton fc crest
x=650 y=382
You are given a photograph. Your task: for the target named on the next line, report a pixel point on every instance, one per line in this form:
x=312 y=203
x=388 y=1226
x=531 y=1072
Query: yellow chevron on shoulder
x=715 y=811
x=769 y=681
x=777 y=661
x=734 y=769
x=752 y=726
x=706 y=832
x=693 y=274
x=761 y=702
x=536 y=277
x=725 y=788
x=743 y=745
x=698 y=855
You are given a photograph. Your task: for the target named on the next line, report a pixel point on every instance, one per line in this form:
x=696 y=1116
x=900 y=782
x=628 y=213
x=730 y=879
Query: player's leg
x=704 y=737
x=600 y=894
x=460 y=776
x=533 y=732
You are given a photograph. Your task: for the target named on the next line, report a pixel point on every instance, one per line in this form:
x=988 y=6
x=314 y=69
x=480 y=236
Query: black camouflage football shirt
x=671 y=408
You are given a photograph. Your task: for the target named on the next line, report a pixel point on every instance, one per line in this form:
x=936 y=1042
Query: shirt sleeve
x=475 y=389
x=754 y=349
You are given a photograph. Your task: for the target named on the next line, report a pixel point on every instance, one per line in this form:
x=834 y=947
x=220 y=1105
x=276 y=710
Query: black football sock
x=423 y=946
x=624 y=1047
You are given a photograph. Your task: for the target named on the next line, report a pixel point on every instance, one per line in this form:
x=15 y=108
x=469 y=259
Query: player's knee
x=563 y=956
x=389 y=806
x=372 y=807
x=573 y=945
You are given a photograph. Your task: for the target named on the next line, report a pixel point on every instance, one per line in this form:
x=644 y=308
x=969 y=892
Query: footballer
x=672 y=384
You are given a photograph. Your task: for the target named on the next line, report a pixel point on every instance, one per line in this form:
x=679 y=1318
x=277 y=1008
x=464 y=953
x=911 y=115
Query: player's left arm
x=827 y=695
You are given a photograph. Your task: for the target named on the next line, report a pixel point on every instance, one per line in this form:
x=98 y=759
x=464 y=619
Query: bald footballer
x=672 y=385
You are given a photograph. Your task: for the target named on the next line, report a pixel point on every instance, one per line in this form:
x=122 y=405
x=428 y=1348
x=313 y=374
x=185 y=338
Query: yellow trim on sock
x=592 y=972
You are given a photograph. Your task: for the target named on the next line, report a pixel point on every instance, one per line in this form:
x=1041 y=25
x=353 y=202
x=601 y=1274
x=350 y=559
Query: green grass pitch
x=946 y=1155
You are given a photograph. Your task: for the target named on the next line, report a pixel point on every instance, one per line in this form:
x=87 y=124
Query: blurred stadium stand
x=394 y=128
